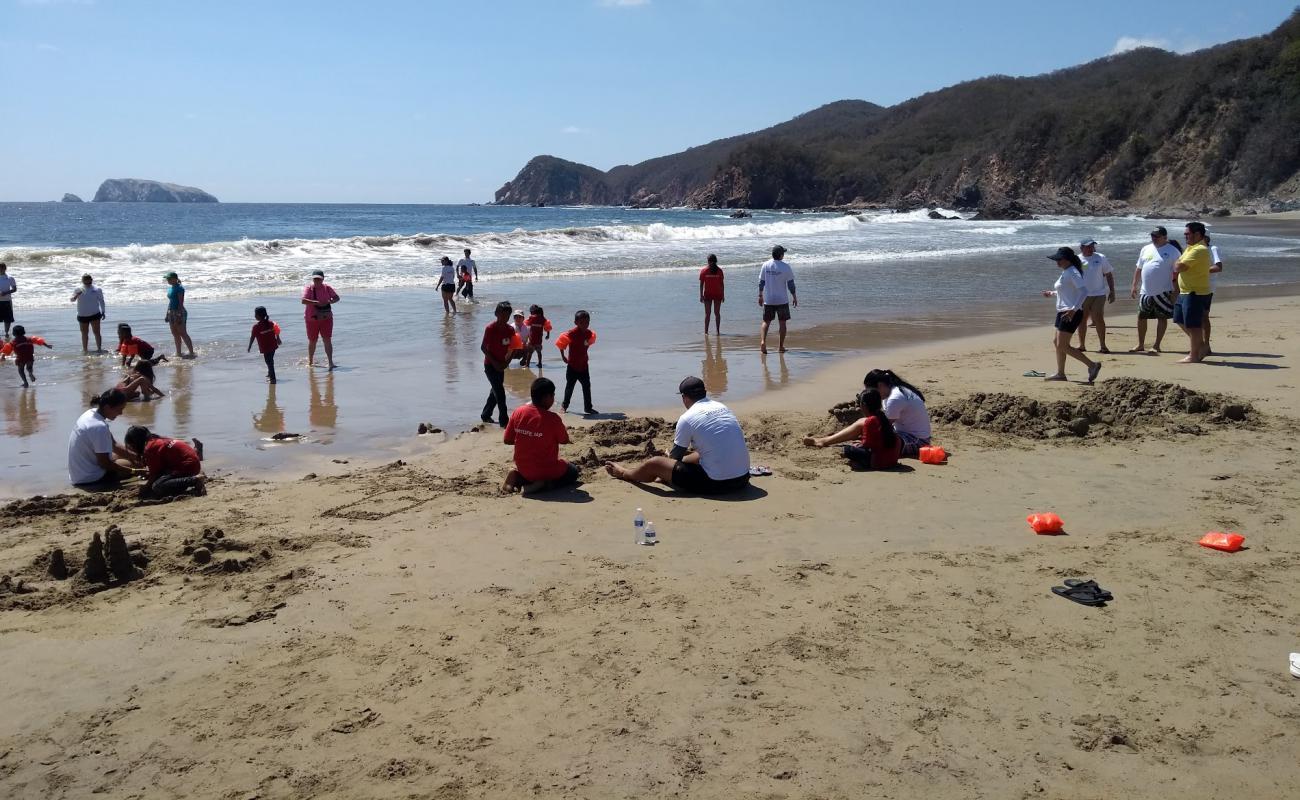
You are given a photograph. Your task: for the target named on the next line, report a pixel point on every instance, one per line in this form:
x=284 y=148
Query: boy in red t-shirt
x=499 y=340
x=172 y=466
x=538 y=326
x=537 y=433
x=267 y=335
x=24 y=350
x=576 y=340
x=879 y=445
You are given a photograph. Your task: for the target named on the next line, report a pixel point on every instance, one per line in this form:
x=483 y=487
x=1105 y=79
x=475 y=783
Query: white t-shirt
x=466 y=265
x=90 y=300
x=774 y=275
x=1071 y=289
x=1214 y=260
x=90 y=436
x=710 y=429
x=448 y=276
x=7 y=287
x=1157 y=265
x=907 y=412
x=1095 y=269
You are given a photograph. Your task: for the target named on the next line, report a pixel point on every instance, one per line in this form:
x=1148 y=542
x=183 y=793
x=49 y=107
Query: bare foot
x=810 y=441
x=532 y=488
x=1138 y=349
x=615 y=471
x=1189 y=360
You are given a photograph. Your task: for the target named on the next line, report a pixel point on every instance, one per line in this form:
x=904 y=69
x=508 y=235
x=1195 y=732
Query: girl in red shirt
x=172 y=466
x=712 y=294
x=878 y=445
x=24 y=350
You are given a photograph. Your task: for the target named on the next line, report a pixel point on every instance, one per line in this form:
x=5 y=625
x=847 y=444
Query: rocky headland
x=134 y=190
x=69 y=197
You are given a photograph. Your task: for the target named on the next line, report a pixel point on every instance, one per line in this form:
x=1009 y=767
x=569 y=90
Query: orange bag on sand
x=933 y=455
x=1227 y=542
x=1045 y=523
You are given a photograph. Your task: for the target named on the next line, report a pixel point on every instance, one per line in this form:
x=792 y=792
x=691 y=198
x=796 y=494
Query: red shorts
x=320 y=327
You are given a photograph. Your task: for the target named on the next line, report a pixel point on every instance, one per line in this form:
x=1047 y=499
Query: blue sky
x=405 y=102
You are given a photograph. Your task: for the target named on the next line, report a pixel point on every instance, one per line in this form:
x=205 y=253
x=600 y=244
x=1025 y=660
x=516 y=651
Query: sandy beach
x=396 y=629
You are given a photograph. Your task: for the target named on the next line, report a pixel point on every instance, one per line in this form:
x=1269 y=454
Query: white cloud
x=622 y=3
x=46 y=47
x=572 y=129
x=1126 y=43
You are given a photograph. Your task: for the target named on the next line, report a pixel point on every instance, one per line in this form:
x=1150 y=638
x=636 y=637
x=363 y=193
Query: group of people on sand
x=1169 y=282
x=505 y=341
x=97 y=462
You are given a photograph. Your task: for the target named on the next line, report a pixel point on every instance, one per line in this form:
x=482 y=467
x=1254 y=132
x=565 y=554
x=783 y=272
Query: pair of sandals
x=1085 y=593
x=760 y=471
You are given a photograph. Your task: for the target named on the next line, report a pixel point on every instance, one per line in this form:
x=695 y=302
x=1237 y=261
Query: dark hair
x=1196 y=227
x=1177 y=245
x=505 y=306
x=713 y=263
x=136 y=436
x=109 y=397
x=1075 y=261
x=875 y=406
x=19 y=330
x=542 y=387
x=778 y=251
x=123 y=330
x=1207 y=238
x=887 y=377
x=535 y=309
x=3 y=265
x=260 y=312
x=445 y=260
x=582 y=314
x=466 y=251
x=145 y=367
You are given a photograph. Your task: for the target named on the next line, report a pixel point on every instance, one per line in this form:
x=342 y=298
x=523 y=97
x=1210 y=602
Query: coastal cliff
x=134 y=190
x=1143 y=130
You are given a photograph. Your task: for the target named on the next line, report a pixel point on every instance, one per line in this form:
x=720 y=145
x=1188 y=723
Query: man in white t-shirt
x=93 y=457
x=709 y=454
x=1155 y=274
x=1216 y=266
x=776 y=293
x=7 y=288
x=467 y=273
x=1099 y=281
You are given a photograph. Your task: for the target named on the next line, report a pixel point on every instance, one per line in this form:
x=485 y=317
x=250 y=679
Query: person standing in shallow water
x=90 y=312
x=177 y=315
x=498 y=337
x=318 y=300
x=776 y=293
x=712 y=294
x=7 y=288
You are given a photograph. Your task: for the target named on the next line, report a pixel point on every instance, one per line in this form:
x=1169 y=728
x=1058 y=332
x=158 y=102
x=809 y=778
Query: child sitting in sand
x=138 y=382
x=267 y=335
x=24 y=349
x=576 y=340
x=878 y=445
x=539 y=327
x=172 y=467
x=537 y=433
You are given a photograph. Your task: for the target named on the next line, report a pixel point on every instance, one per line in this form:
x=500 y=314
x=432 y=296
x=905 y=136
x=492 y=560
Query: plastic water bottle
x=638 y=527
x=649 y=538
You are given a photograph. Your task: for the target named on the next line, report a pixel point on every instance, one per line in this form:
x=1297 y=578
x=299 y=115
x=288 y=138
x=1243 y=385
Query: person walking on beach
x=498 y=339
x=576 y=341
x=267 y=335
x=90 y=312
x=712 y=294
x=776 y=293
x=468 y=272
x=709 y=454
x=905 y=408
x=1193 y=271
x=94 y=459
x=1216 y=267
x=539 y=327
x=1099 y=278
x=7 y=288
x=318 y=300
x=177 y=315
x=447 y=286
x=1155 y=273
x=1070 y=292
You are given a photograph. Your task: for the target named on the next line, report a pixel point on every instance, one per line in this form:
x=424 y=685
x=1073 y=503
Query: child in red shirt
x=537 y=433
x=24 y=350
x=267 y=335
x=879 y=446
x=172 y=466
x=500 y=339
x=576 y=340
x=131 y=346
x=538 y=326
x=712 y=293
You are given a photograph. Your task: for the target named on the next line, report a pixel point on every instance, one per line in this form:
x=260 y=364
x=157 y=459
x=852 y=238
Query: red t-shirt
x=497 y=338
x=135 y=346
x=873 y=439
x=577 y=340
x=24 y=350
x=537 y=325
x=265 y=333
x=162 y=456
x=537 y=436
x=712 y=282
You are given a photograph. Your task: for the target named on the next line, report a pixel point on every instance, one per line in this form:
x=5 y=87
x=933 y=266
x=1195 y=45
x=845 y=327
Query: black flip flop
x=1083 y=595
x=1075 y=583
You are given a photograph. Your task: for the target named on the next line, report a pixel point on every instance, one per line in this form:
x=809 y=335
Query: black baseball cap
x=316 y=272
x=1159 y=230
x=1062 y=254
x=692 y=387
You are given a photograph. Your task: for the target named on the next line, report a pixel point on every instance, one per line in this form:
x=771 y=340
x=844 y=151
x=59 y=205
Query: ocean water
x=865 y=284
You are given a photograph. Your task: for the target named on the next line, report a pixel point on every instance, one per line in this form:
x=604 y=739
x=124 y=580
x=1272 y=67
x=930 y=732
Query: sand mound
x=619 y=440
x=1119 y=408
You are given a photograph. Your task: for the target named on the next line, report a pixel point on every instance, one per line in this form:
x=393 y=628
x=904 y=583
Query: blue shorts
x=1190 y=310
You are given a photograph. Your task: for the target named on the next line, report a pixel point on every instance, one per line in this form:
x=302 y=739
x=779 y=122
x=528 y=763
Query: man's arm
x=1133 y=290
x=1110 y=281
x=761 y=282
x=794 y=296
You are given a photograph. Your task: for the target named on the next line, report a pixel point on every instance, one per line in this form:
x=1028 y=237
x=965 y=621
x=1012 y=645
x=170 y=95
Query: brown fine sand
x=396 y=630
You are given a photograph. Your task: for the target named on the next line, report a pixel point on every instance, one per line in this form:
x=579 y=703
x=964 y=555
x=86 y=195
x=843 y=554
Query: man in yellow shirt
x=1193 y=271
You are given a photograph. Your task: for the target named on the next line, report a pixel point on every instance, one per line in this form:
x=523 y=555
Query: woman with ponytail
x=879 y=445
x=1070 y=292
x=94 y=459
x=904 y=406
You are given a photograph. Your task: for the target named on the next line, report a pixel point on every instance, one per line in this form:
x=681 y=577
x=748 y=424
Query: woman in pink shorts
x=318 y=300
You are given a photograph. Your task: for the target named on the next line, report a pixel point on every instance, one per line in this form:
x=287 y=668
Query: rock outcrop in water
x=134 y=190
x=70 y=198
x=1142 y=130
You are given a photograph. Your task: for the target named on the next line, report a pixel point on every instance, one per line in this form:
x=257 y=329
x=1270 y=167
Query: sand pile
x=620 y=440
x=1119 y=408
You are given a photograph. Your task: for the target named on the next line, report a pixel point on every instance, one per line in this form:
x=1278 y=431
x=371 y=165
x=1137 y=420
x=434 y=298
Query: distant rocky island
x=134 y=190
x=69 y=197
x=1146 y=131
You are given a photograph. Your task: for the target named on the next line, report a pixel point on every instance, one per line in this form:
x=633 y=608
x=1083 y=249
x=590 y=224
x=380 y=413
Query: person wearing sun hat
x=709 y=454
x=318 y=299
x=1070 y=292
x=177 y=315
x=1099 y=278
